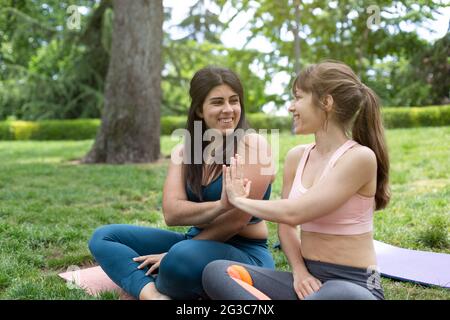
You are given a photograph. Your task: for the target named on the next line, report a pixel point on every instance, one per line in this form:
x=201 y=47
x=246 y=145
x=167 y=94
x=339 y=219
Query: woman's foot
x=149 y=292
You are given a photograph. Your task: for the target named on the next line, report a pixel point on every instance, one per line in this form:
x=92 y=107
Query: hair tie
x=362 y=87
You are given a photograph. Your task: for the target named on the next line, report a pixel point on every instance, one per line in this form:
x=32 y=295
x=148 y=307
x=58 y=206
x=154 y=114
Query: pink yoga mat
x=422 y=267
x=93 y=280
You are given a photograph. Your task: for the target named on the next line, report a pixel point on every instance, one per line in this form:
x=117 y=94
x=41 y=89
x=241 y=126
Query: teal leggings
x=180 y=272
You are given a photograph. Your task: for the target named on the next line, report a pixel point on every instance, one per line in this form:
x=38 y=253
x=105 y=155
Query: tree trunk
x=130 y=128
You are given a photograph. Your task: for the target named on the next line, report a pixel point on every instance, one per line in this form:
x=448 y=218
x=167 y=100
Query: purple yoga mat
x=423 y=267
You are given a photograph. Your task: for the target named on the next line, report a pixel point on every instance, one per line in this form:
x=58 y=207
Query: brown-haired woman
x=193 y=195
x=330 y=188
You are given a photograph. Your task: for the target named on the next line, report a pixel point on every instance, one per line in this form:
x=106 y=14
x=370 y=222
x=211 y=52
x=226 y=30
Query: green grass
x=50 y=205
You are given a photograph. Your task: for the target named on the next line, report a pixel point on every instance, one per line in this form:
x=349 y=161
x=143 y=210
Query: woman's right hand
x=305 y=284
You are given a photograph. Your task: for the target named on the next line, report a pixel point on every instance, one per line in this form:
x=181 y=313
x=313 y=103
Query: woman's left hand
x=236 y=186
x=305 y=284
x=153 y=259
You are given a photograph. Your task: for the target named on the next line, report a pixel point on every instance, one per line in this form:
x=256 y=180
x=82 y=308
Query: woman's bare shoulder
x=176 y=155
x=361 y=156
x=358 y=161
x=293 y=157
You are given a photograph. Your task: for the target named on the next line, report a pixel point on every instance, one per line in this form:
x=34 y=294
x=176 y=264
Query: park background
x=65 y=106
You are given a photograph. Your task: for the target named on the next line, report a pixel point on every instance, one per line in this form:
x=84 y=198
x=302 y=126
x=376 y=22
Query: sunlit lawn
x=50 y=205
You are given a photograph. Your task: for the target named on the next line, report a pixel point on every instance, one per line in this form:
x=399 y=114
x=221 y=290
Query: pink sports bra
x=354 y=217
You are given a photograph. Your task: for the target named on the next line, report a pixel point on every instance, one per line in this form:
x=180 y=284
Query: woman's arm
x=356 y=168
x=260 y=171
x=224 y=227
x=177 y=209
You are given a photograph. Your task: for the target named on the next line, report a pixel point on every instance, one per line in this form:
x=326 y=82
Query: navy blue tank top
x=213 y=191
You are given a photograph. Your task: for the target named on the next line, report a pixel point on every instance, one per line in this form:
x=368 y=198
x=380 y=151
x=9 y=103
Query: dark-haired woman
x=193 y=195
x=330 y=188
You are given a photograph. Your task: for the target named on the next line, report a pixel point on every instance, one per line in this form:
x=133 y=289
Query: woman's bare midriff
x=349 y=250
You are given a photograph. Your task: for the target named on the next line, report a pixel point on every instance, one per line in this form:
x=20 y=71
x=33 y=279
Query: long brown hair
x=356 y=107
x=201 y=84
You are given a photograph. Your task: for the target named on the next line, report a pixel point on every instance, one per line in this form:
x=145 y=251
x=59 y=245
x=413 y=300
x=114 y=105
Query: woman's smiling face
x=221 y=109
x=308 y=118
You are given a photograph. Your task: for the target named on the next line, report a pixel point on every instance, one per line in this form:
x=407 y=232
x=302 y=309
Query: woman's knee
x=213 y=272
x=180 y=262
x=101 y=234
x=215 y=268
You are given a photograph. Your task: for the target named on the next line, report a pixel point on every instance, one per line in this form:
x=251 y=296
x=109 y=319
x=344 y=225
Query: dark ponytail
x=368 y=131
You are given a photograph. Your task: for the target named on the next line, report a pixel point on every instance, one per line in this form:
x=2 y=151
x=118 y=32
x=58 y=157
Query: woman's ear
x=199 y=113
x=328 y=102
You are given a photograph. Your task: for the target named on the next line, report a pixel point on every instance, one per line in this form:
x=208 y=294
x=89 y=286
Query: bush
x=405 y=117
x=399 y=117
x=80 y=129
x=49 y=129
x=259 y=121
x=5 y=133
x=23 y=130
x=170 y=123
x=396 y=118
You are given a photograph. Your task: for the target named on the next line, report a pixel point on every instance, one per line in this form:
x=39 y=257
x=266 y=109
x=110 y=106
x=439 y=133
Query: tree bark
x=130 y=128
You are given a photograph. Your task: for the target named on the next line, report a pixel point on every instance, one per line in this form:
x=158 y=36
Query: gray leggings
x=338 y=282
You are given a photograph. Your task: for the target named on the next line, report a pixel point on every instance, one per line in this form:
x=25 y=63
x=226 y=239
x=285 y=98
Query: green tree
x=48 y=70
x=338 y=30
